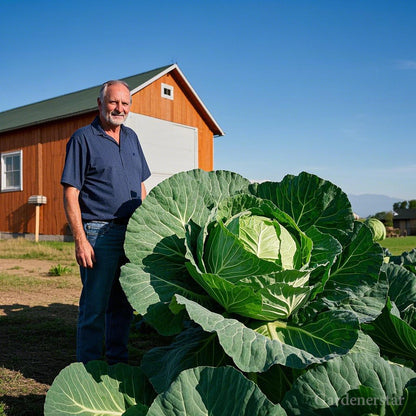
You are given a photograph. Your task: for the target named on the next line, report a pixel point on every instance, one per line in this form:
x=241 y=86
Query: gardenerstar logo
x=352 y=400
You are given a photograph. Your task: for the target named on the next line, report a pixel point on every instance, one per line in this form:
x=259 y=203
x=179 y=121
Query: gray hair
x=104 y=87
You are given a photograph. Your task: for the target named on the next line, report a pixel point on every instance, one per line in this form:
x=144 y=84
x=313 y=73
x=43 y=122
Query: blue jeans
x=104 y=312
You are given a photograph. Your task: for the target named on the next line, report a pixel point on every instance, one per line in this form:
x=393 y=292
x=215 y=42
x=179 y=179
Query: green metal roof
x=65 y=105
x=405 y=214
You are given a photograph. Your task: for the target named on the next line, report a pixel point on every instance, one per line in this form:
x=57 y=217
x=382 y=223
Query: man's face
x=115 y=106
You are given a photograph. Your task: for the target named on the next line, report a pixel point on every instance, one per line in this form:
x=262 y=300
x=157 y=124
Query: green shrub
x=59 y=270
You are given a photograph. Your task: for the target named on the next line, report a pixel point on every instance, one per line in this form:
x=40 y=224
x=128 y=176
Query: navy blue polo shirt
x=108 y=175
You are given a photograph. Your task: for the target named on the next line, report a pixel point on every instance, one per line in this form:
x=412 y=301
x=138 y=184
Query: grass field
x=44 y=250
x=38 y=310
x=399 y=245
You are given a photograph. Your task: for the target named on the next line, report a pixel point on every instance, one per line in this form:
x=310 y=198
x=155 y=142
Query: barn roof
x=405 y=214
x=85 y=100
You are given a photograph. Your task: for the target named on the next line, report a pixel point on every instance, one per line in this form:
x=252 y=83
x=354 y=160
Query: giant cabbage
x=275 y=301
x=280 y=269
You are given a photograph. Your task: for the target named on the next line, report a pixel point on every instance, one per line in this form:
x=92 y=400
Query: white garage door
x=169 y=147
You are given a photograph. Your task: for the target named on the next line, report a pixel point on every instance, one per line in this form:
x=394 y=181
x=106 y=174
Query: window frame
x=4 y=187
x=169 y=88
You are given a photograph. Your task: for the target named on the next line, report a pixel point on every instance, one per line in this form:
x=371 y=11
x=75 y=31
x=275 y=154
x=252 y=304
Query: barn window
x=167 y=91
x=11 y=171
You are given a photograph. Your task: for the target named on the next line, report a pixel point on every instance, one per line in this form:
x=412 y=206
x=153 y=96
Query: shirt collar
x=96 y=125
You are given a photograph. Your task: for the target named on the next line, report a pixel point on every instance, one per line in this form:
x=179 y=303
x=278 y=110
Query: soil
x=39 y=268
x=22 y=267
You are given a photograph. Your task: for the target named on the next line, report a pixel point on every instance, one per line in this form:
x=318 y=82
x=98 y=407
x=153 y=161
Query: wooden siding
x=406 y=226
x=43 y=158
x=149 y=102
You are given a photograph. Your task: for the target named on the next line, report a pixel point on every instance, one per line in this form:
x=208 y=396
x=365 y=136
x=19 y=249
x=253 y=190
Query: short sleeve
x=75 y=163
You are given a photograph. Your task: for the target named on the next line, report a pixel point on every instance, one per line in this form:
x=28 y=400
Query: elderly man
x=103 y=185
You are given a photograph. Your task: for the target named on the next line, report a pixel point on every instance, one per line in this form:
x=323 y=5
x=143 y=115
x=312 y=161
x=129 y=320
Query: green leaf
x=406 y=259
x=151 y=294
x=273 y=301
x=402 y=285
x=394 y=336
x=354 y=278
x=276 y=381
x=156 y=233
x=409 y=315
x=294 y=347
x=365 y=344
x=219 y=391
x=348 y=385
x=97 y=389
x=267 y=239
x=324 y=253
x=240 y=299
x=360 y=260
x=191 y=348
x=158 y=225
x=317 y=337
x=310 y=201
x=280 y=300
x=226 y=256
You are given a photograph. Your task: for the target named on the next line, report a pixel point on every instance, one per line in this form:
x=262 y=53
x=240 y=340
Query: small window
x=11 y=171
x=167 y=91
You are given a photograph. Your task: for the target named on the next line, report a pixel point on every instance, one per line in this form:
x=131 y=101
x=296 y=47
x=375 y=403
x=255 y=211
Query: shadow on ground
x=36 y=343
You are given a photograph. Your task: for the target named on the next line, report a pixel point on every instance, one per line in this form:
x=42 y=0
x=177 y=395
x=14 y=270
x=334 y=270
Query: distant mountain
x=369 y=204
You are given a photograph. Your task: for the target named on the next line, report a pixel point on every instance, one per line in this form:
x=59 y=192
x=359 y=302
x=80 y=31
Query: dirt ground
x=22 y=266
x=40 y=297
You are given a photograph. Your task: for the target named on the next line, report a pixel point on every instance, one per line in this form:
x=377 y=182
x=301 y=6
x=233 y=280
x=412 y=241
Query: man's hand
x=84 y=253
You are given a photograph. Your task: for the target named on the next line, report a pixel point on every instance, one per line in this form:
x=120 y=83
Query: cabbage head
x=377 y=228
x=252 y=258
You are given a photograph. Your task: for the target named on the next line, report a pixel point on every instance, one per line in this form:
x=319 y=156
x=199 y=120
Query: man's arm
x=84 y=252
x=144 y=192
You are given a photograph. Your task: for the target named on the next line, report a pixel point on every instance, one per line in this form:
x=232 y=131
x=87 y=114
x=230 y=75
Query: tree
x=388 y=219
x=400 y=205
x=380 y=215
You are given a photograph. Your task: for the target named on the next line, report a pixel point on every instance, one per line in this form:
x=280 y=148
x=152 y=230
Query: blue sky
x=327 y=87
